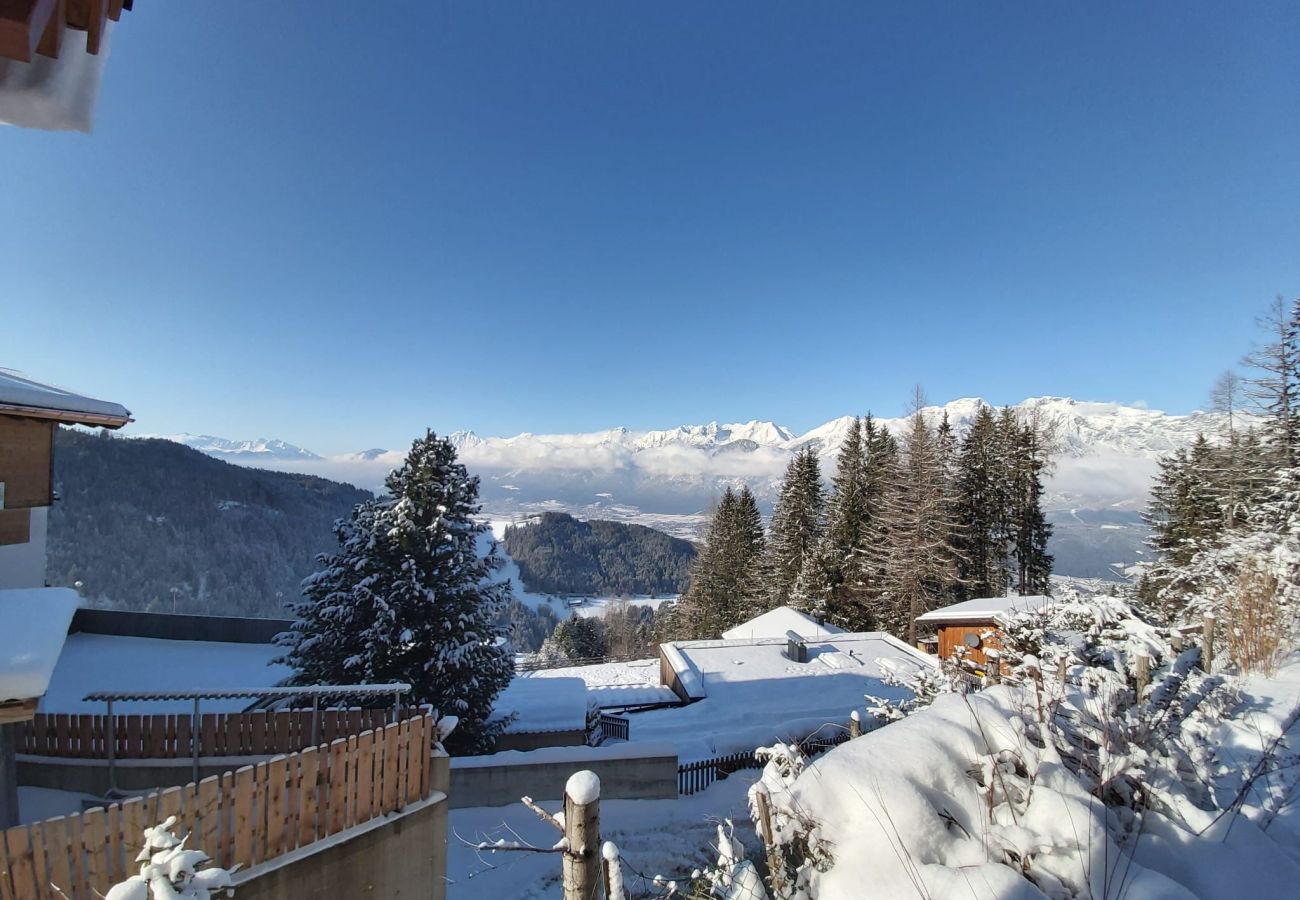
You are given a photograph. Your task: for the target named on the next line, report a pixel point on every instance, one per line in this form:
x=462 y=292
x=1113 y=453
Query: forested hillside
x=557 y=554
x=139 y=518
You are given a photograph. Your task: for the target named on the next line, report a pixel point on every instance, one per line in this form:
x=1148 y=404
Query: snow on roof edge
x=979 y=608
x=21 y=393
x=38 y=620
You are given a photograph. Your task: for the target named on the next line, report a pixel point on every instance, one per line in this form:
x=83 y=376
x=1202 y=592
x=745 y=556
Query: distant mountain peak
x=238 y=450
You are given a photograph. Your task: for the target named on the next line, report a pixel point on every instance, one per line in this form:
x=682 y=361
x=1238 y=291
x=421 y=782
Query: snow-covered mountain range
x=256 y=451
x=1105 y=457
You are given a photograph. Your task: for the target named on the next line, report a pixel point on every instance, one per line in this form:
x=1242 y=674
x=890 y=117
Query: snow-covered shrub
x=1063 y=782
x=170 y=872
x=925 y=684
x=1253 y=619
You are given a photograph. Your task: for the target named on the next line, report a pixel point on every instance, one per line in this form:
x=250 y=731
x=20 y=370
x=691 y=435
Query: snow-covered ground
x=655 y=837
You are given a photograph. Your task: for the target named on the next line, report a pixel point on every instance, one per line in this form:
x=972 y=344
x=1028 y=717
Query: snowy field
x=656 y=837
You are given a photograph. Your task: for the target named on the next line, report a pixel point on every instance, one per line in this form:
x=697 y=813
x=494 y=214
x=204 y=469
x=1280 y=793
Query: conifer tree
x=919 y=562
x=726 y=584
x=408 y=597
x=747 y=559
x=1029 y=530
x=798 y=521
x=1275 y=385
x=837 y=576
x=981 y=499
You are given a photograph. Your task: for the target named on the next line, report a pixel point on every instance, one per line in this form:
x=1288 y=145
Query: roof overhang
x=67 y=417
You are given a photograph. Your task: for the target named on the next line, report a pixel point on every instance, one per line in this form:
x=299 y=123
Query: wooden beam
x=18 y=711
x=22 y=23
x=52 y=40
x=115 y=9
x=97 y=25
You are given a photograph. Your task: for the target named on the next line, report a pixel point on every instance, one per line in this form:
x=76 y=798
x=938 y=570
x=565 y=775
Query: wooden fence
x=219 y=734
x=615 y=727
x=696 y=776
x=244 y=817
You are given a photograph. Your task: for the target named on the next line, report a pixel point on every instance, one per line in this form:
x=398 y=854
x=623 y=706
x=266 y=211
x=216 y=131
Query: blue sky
x=337 y=224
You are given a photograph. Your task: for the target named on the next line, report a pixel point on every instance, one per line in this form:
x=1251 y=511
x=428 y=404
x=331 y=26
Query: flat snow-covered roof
x=126 y=665
x=20 y=395
x=776 y=622
x=985 y=608
x=543 y=704
x=36 y=625
x=749 y=693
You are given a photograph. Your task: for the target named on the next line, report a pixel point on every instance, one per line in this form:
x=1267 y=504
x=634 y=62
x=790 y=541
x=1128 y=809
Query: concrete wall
x=399 y=856
x=626 y=771
x=228 y=629
x=23 y=565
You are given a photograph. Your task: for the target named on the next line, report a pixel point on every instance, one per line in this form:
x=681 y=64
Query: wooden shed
x=973 y=624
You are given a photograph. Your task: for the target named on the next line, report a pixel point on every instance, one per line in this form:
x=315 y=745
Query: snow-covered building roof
x=124 y=664
x=983 y=609
x=21 y=396
x=543 y=705
x=36 y=625
x=747 y=694
x=776 y=622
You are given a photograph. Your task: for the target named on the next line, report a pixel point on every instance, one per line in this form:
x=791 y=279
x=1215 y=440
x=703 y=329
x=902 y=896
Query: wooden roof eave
x=68 y=417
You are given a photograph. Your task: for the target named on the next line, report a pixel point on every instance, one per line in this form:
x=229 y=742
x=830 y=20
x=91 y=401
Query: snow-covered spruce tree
x=1029 y=531
x=578 y=637
x=726 y=585
x=408 y=597
x=841 y=578
x=1274 y=384
x=796 y=528
x=981 y=537
x=919 y=562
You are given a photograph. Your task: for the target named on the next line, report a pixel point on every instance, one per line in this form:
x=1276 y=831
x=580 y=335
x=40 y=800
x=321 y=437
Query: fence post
x=855 y=724
x=582 y=875
x=315 y=720
x=111 y=728
x=194 y=739
x=1143 y=675
x=1207 y=644
x=993 y=666
x=775 y=864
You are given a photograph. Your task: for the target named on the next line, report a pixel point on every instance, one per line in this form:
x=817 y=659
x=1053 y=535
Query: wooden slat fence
x=696 y=776
x=219 y=734
x=615 y=727
x=245 y=817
